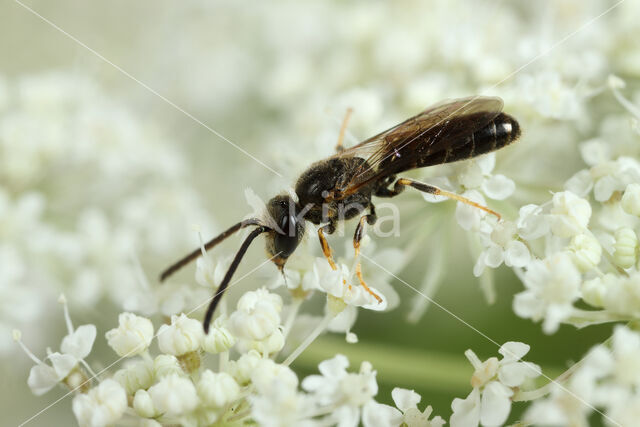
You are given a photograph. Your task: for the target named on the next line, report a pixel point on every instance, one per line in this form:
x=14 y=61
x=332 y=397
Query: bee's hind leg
x=357 y=237
x=401 y=183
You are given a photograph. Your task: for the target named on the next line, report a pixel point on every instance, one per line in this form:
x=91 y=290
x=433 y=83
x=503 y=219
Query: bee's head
x=283 y=240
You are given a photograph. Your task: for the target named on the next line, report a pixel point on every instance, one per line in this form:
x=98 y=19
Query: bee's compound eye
x=288 y=237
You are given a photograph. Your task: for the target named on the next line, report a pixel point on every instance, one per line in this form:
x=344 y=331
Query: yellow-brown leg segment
x=343 y=130
x=402 y=182
x=326 y=249
x=357 y=237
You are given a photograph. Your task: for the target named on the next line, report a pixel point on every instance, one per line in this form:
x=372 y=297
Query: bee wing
x=435 y=129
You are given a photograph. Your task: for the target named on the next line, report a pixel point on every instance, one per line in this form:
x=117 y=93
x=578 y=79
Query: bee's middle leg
x=326 y=249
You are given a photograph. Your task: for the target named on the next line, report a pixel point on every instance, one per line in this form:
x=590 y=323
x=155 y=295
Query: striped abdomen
x=499 y=132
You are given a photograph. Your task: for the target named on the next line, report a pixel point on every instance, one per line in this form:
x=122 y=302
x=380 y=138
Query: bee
x=341 y=187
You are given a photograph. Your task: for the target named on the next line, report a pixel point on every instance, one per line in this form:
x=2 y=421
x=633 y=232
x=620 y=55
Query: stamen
x=17 y=337
x=63 y=300
x=473 y=358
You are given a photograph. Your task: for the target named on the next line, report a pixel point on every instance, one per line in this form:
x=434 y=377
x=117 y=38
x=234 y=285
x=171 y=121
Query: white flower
x=166 y=364
x=135 y=376
x=376 y=414
x=132 y=336
x=75 y=347
x=338 y=283
x=243 y=368
x=552 y=285
x=101 y=406
x=503 y=246
x=210 y=273
x=184 y=335
x=143 y=404
x=570 y=214
x=349 y=392
x=532 y=224
x=494 y=382
x=257 y=315
x=217 y=390
x=174 y=395
x=219 y=338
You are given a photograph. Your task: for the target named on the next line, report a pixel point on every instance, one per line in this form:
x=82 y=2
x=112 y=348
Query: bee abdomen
x=501 y=131
x=498 y=133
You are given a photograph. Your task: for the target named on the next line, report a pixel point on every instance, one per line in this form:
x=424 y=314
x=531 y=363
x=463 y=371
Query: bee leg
x=357 y=237
x=384 y=191
x=426 y=188
x=326 y=249
x=343 y=130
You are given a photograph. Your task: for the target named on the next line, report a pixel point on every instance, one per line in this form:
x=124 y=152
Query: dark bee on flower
x=342 y=186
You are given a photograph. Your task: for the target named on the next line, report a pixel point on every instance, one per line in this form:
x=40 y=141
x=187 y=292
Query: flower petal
x=405 y=399
x=496 y=404
x=466 y=412
x=42 y=378
x=62 y=364
x=516 y=254
x=376 y=414
x=513 y=351
x=80 y=342
x=498 y=187
x=335 y=367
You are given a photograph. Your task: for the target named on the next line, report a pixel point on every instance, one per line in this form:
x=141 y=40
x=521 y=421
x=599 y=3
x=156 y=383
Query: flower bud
x=585 y=251
x=174 y=395
x=184 y=335
x=217 y=390
x=242 y=368
x=257 y=315
x=138 y=375
x=166 y=364
x=218 y=339
x=132 y=336
x=625 y=249
x=143 y=405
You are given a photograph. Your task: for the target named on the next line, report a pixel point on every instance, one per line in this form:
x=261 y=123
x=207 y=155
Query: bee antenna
x=227 y=277
x=210 y=244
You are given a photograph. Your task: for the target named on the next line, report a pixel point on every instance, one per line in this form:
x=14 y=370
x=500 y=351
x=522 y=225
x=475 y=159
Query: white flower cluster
x=180 y=386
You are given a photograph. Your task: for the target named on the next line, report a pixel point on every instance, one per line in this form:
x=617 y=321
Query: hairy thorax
x=324 y=177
